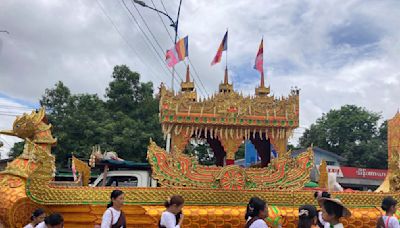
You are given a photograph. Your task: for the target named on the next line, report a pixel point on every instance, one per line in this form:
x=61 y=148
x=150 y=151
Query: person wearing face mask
x=172 y=217
x=256 y=213
x=114 y=217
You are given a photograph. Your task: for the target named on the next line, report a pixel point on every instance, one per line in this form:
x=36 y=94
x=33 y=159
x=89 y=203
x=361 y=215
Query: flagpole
x=176 y=36
x=262 y=74
x=226 y=52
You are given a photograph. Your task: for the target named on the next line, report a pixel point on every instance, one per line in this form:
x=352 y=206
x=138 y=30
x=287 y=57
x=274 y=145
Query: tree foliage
x=352 y=132
x=123 y=122
x=201 y=150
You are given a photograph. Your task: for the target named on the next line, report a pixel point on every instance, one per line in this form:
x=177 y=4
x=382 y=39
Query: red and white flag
x=222 y=47
x=259 y=59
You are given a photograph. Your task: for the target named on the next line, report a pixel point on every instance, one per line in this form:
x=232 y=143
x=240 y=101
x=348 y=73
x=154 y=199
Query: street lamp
x=174 y=24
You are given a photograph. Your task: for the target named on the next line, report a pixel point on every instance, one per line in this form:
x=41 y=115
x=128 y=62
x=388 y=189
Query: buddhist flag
x=222 y=47
x=177 y=53
x=259 y=59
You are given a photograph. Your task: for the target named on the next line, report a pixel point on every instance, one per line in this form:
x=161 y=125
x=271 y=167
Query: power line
x=145 y=35
x=148 y=42
x=165 y=9
x=190 y=61
x=152 y=34
x=201 y=89
x=16 y=106
x=165 y=26
x=124 y=39
x=147 y=26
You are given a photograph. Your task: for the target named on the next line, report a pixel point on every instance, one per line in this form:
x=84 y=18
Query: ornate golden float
x=215 y=196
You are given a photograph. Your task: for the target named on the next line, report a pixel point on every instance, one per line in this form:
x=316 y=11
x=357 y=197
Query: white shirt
x=393 y=222
x=29 y=226
x=168 y=220
x=41 y=225
x=259 y=223
x=106 y=221
x=322 y=221
x=339 y=225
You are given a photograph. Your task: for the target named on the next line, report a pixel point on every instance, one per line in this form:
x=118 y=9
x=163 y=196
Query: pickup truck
x=125 y=178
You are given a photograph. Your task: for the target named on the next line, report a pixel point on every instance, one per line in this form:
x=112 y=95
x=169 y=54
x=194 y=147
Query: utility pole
x=173 y=24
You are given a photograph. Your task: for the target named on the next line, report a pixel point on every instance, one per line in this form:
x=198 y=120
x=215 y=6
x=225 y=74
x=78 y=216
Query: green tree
x=352 y=132
x=124 y=122
x=134 y=112
x=241 y=151
x=201 y=150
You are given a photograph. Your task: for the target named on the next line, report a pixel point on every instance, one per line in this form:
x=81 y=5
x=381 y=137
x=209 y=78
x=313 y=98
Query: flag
x=182 y=48
x=178 y=52
x=74 y=169
x=171 y=57
x=259 y=59
x=222 y=47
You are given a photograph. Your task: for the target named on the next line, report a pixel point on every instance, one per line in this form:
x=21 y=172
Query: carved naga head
x=27 y=125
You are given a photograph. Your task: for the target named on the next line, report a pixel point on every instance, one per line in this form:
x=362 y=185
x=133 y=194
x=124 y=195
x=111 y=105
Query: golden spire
x=262 y=90
x=187 y=74
x=226 y=76
x=225 y=87
x=187 y=87
x=262 y=80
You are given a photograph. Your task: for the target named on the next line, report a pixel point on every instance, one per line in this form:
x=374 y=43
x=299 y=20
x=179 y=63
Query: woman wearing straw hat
x=333 y=210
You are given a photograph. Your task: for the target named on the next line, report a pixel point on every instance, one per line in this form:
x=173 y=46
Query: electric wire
x=145 y=36
x=126 y=41
x=190 y=61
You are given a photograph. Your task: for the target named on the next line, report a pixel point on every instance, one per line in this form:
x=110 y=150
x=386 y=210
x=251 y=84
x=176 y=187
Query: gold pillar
x=179 y=142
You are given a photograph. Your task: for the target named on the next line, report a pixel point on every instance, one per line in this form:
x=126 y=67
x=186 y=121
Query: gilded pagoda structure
x=215 y=196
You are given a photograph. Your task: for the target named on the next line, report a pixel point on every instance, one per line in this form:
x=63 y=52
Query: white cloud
x=9 y=109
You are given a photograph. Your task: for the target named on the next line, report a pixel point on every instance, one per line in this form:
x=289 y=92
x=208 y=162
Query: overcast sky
x=337 y=52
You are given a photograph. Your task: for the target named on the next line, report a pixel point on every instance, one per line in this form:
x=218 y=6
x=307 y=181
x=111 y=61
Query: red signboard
x=352 y=172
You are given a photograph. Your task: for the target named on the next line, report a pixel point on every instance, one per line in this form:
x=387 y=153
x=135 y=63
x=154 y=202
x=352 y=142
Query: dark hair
x=388 y=202
x=114 y=194
x=323 y=194
x=38 y=212
x=333 y=208
x=175 y=199
x=307 y=214
x=254 y=207
x=54 y=219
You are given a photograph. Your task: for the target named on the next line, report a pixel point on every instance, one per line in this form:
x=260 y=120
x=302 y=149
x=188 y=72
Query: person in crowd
x=52 y=221
x=388 y=220
x=37 y=217
x=332 y=211
x=114 y=217
x=172 y=217
x=318 y=195
x=256 y=213
x=308 y=217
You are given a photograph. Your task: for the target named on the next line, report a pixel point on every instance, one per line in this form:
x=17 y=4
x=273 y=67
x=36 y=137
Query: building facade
x=355 y=178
